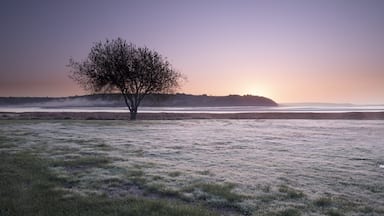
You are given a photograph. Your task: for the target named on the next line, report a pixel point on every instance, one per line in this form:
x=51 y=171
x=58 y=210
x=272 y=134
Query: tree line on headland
x=152 y=100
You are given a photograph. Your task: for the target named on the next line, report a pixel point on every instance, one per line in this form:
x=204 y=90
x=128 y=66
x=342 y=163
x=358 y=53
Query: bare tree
x=118 y=66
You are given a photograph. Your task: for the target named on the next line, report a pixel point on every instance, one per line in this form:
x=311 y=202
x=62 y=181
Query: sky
x=287 y=50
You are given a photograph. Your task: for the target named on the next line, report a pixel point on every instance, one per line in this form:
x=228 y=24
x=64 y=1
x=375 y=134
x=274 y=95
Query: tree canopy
x=118 y=66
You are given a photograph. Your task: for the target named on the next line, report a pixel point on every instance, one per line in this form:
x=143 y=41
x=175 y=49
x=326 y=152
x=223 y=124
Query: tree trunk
x=133 y=114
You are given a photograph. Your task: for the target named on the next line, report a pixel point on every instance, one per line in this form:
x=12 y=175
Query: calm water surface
x=229 y=109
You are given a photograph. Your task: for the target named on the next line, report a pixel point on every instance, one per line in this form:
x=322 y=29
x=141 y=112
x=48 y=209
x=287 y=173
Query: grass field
x=28 y=187
x=146 y=168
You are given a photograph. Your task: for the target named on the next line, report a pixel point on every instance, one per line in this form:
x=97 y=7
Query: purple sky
x=291 y=51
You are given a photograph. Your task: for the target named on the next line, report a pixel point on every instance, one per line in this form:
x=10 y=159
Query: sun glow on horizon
x=288 y=51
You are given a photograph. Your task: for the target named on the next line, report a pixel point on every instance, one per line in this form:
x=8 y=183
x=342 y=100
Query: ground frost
x=316 y=165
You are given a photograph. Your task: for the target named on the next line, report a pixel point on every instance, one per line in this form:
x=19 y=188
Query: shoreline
x=184 y=116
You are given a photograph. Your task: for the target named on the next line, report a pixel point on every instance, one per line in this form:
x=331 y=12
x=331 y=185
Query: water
x=323 y=108
x=322 y=158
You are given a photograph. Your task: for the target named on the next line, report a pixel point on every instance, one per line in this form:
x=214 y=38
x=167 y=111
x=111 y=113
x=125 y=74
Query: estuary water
x=323 y=108
x=341 y=159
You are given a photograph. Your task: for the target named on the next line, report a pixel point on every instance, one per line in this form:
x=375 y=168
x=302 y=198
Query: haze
x=290 y=51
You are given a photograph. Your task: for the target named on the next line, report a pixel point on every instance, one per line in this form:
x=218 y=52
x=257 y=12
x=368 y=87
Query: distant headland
x=153 y=100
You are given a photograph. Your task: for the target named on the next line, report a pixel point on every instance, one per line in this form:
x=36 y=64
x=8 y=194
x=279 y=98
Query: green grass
x=222 y=191
x=83 y=162
x=323 y=202
x=267 y=198
x=162 y=190
x=174 y=174
x=289 y=212
x=93 y=184
x=6 y=142
x=137 y=177
x=334 y=212
x=27 y=187
x=291 y=193
x=218 y=196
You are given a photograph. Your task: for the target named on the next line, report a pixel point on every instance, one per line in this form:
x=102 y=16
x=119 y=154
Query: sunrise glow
x=290 y=51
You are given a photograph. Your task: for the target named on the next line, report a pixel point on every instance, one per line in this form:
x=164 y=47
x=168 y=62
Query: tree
x=118 y=66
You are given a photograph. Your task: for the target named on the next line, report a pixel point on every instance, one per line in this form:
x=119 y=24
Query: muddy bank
x=177 y=116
